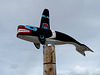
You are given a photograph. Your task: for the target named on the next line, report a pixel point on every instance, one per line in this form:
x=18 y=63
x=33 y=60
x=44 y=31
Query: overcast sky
x=77 y=18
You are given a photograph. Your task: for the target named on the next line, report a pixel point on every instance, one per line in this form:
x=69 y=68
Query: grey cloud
x=79 y=19
x=96 y=72
x=78 y=70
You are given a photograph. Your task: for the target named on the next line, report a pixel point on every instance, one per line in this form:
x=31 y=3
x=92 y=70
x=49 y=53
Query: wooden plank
x=49 y=60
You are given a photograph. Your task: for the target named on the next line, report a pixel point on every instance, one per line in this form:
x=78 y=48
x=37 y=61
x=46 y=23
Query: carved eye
x=32 y=27
x=41 y=36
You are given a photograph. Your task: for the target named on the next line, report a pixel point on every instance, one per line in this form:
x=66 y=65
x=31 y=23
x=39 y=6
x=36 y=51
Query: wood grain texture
x=49 y=60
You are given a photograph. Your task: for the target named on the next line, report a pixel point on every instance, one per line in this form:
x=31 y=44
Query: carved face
x=25 y=30
x=28 y=33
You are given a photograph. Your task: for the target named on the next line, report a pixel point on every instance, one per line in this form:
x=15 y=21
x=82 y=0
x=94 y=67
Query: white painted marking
x=23 y=30
x=53 y=34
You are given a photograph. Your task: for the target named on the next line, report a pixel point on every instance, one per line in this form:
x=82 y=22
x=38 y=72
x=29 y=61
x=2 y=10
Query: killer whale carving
x=44 y=35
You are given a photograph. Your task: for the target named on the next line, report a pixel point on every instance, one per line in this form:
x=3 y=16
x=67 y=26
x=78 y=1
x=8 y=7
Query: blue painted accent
x=33 y=28
x=48 y=17
x=45 y=28
x=43 y=15
x=42 y=37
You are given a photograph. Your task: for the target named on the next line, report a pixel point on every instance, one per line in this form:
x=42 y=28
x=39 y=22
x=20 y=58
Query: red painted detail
x=23 y=27
x=45 y=25
x=49 y=63
x=20 y=26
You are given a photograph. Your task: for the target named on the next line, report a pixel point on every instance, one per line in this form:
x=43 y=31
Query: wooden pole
x=49 y=60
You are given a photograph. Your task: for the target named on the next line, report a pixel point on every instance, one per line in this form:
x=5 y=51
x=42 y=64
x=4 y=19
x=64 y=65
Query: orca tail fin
x=45 y=20
x=81 y=49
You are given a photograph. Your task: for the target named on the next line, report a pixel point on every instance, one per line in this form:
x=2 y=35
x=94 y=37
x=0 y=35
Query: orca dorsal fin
x=45 y=20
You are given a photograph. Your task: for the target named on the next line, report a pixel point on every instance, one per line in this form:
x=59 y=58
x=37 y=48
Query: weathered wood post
x=49 y=60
